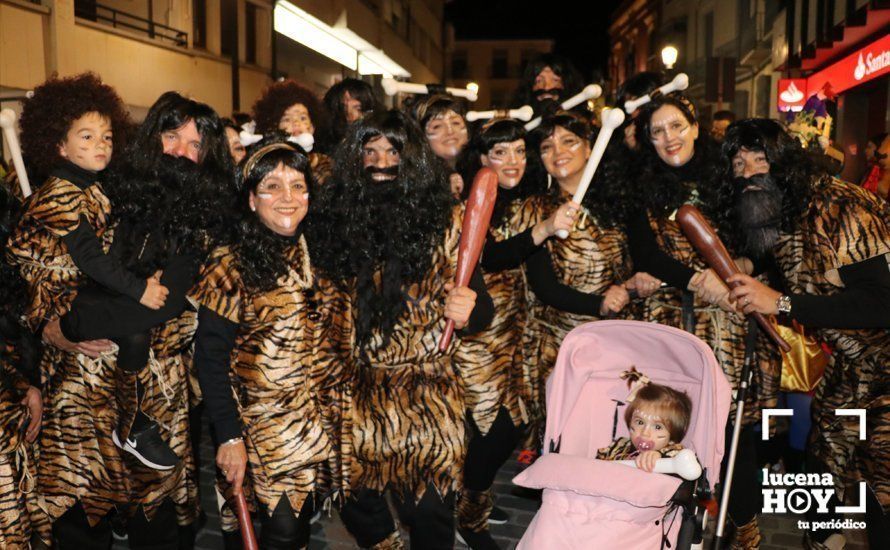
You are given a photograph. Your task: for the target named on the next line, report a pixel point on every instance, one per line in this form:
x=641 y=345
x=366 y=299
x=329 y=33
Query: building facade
x=495 y=65
x=634 y=39
x=147 y=47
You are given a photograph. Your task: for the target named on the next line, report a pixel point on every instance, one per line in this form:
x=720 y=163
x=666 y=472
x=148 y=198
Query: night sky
x=580 y=28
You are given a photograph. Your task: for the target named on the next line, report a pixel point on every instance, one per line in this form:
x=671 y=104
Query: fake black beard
x=389 y=171
x=759 y=213
x=546 y=106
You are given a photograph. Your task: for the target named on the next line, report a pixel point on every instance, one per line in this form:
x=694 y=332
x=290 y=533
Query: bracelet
x=232 y=441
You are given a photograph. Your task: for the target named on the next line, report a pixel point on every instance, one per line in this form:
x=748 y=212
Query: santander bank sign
x=868 y=63
x=857 y=68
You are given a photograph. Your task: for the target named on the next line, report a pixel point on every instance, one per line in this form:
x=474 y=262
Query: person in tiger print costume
x=830 y=242
x=294 y=109
x=22 y=523
x=497 y=387
x=170 y=198
x=673 y=165
x=387 y=232
x=574 y=280
x=261 y=320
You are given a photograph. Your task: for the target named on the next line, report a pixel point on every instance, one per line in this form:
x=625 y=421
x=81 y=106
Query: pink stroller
x=589 y=503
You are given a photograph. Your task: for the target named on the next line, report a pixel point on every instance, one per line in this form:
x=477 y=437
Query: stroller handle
x=684 y=464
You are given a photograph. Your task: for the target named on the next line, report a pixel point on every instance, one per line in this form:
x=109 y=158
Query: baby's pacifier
x=643 y=444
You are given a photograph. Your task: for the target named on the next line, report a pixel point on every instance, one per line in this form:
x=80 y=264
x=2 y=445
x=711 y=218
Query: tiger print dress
x=591 y=259
x=844 y=225
x=723 y=332
x=490 y=362
x=408 y=408
x=78 y=459
x=279 y=351
x=20 y=512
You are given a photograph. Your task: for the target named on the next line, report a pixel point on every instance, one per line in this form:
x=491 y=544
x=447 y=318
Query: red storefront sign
x=868 y=63
x=792 y=94
x=872 y=61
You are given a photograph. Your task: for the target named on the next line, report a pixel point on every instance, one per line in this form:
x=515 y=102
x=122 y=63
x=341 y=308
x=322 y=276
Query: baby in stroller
x=657 y=418
x=588 y=502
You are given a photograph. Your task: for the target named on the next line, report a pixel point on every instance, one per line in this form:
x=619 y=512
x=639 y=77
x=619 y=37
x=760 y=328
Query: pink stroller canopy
x=584 y=388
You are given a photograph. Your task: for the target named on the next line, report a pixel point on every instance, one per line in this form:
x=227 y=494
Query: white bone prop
x=524 y=113
x=612 y=118
x=7 y=122
x=392 y=86
x=678 y=84
x=591 y=91
x=304 y=140
x=684 y=464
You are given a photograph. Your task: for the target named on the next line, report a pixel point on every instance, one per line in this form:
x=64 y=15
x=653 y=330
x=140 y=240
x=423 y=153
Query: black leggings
x=284 y=531
x=487 y=453
x=72 y=531
x=431 y=521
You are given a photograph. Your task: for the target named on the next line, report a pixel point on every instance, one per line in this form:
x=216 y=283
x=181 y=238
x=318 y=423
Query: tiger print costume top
x=409 y=410
x=20 y=514
x=491 y=360
x=277 y=350
x=843 y=225
x=321 y=166
x=623 y=449
x=724 y=332
x=52 y=212
x=591 y=259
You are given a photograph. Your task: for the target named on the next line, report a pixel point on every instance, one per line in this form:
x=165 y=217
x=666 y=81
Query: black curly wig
x=562 y=67
x=17 y=344
x=633 y=180
x=358 y=226
x=278 y=98
x=260 y=254
x=56 y=104
x=790 y=167
x=185 y=205
x=333 y=101
x=470 y=161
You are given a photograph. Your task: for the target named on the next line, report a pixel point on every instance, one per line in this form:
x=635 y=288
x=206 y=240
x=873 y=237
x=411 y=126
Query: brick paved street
x=780 y=531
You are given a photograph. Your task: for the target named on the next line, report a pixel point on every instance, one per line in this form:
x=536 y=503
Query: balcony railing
x=118 y=19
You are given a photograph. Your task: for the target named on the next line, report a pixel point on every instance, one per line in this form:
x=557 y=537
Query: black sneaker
x=476 y=541
x=498 y=516
x=149 y=448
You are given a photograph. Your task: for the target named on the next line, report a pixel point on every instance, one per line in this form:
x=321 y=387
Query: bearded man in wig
x=830 y=243
x=387 y=230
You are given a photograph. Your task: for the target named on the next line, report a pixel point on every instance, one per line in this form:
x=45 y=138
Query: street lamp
x=669 y=56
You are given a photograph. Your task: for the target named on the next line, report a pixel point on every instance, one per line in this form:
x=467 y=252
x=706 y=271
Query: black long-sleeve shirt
x=544 y=283
x=509 y=253
x=864 y=302
x=649 y=258
x=85 y=248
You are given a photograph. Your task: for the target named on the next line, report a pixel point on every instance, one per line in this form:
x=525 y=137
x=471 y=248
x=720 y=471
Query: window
x=459 y=68
x=228 y=30
x=199 y=23
x=499 y=64
x=250 y=33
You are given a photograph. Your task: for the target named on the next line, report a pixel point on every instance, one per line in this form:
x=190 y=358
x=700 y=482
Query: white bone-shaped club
x=7 y=123
x=391 y=86
x=678 y=84
x=523 y=113
x=591 y=91
x=684 y=464
x=612 y=118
